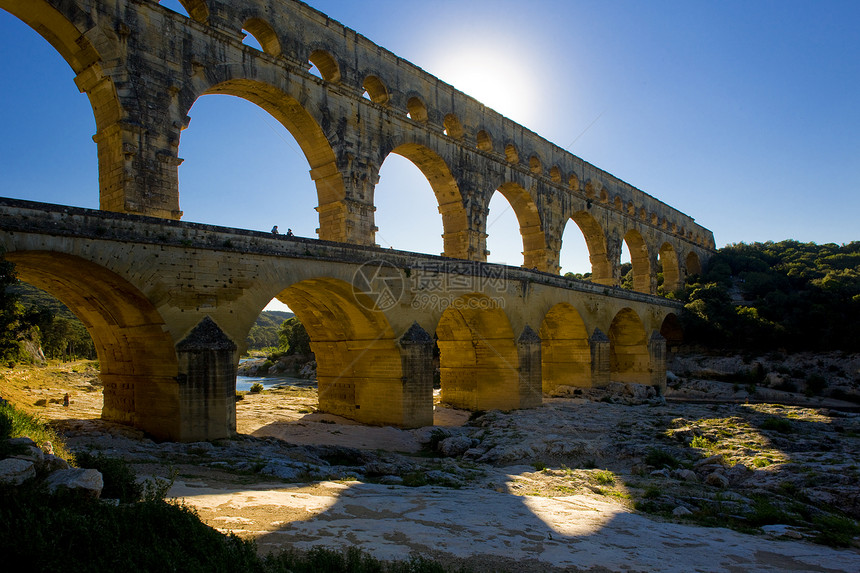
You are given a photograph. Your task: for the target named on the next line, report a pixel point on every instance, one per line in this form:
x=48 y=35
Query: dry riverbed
x=587 y=482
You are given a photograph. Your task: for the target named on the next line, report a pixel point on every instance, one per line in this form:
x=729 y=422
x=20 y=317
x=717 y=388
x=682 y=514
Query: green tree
x=10 y=312
x=294 y=338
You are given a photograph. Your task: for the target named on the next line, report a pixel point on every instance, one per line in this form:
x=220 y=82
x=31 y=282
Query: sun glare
x=494 y=77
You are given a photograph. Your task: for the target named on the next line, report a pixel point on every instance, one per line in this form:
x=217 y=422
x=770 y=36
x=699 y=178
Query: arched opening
x=417 y=109
x=534 y=248
x=641 y=263
x=359 y=369
x=672 y=331
x=375 y=90
x=583 y=250
x=418 y=231
x=194 y=9
x=555 y=174
x=325 y=65
x=535 y=165
x=479 y=364
x=62 y=129
x=485 y=141
x=403 y=188
x=265 y=36
x=512 y=156
x=573 y=183
x=453 y=127
x=565 y=352
x=693 y=265
x=137 y=360
x=670 y=269
x=628 y=349
x=229 y=163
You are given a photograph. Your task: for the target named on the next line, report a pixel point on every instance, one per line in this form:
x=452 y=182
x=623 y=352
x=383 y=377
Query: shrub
x=604 y=477
x=661 y=459
x=256 y=388
x=119 y=479
x=651 y=492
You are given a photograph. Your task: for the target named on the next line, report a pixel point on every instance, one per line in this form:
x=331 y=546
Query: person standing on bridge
x=275 y=230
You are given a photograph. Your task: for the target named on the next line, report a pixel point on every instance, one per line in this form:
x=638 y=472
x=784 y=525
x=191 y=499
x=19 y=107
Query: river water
x=245 y=382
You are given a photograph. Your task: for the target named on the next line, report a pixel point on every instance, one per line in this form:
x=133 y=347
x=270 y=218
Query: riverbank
x=595 y=482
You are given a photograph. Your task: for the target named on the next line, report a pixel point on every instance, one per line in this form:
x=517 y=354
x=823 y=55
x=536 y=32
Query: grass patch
x=835 y=530
x=775 y=424
x=352 y=560
x=604 y=477
x=703 y=443
x=15 y=423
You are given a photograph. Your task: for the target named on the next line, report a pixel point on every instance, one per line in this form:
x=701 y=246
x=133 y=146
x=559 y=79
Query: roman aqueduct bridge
x=170 y=303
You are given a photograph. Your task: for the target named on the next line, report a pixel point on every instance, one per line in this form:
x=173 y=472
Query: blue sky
x=743 y=115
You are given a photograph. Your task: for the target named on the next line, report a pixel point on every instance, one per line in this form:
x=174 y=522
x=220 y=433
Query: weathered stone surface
x=87 y=481
x=16 y=471
x=717 y=479
x=455 y=446
x=685 y=475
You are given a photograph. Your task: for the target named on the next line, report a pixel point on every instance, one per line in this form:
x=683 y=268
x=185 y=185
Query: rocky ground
x=591 y=481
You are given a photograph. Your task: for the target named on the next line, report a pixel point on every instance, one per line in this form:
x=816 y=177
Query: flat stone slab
x=579 y=531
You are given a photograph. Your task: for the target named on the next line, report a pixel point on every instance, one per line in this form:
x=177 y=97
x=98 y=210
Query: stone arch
x=359 y=368
x=65 y=31
x=264 y=34
x=671 y=268
x=629 y=360
x=312 y=141
x=595 y=240
x=672 y=330
x=417 y=109
x=640 y=259
x=619 y=204
x=512 y=156
x=535 y=165
x=137 y=359
x=485 y=141
x=531 y=228
x=326 y=64
x=197 y=10
x=604 y=196
x=565 y=352
x=555 y=174
x=455 y=222
x=376 y=90
x=479 y=364
x=453 y=127
x=692 y=264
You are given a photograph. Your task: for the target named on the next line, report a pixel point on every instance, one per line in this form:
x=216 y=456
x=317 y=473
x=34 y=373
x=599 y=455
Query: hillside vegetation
x=767 y=296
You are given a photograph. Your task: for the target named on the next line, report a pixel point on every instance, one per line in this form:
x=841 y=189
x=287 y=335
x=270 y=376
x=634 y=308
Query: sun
x=492 y=75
